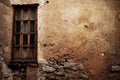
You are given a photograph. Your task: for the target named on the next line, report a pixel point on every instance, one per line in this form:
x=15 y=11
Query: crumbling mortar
x=59 y=69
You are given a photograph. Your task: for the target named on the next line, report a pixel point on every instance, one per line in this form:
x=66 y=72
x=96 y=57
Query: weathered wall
x=85 y=31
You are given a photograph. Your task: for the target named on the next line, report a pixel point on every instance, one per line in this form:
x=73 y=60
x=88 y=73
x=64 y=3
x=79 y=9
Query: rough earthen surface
x=77 y=40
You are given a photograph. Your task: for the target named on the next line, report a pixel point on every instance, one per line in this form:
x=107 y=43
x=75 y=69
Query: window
x=24 y=33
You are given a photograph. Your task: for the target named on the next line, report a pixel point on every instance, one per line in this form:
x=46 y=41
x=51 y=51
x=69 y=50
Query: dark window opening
x=25 y=33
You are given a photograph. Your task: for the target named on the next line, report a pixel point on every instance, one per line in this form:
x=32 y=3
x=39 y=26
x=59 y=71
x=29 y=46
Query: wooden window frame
x=22 y=59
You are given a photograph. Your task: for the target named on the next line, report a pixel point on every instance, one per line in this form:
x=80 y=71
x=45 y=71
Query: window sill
x=14 y=64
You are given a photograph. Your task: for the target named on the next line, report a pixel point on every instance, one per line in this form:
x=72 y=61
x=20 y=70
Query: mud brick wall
x=77 y=40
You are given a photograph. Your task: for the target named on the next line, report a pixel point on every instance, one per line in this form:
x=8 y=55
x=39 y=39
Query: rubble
x=61 y=69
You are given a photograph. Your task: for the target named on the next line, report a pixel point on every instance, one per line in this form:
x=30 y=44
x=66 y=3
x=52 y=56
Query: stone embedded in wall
x=115 y=68
x=16 y=77
x=5 y=72
x=48 y=69
x=69 y=64
x=61 y=69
